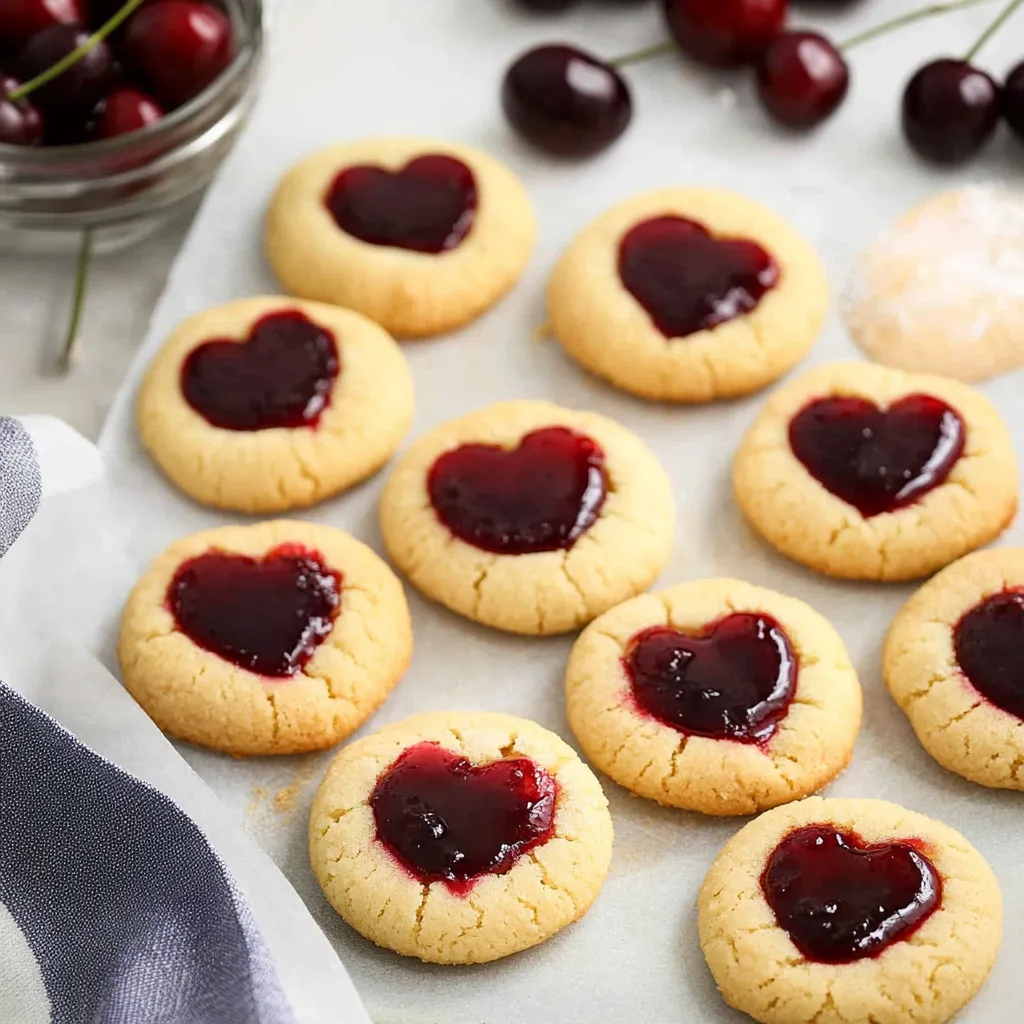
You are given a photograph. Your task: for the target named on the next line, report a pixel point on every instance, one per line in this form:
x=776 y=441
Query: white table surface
x=35 y=293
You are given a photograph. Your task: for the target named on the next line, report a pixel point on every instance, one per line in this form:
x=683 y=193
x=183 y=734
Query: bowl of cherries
x=115 y=113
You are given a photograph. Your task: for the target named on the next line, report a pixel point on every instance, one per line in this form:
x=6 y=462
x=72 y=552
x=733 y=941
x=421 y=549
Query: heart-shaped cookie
x=427 y=206
x=878 y=460
x=542 y=495
x=451 y=821
x=735 y=680
x=689 y=280
x=842 y=899
x=280 y=376
x=267 y=615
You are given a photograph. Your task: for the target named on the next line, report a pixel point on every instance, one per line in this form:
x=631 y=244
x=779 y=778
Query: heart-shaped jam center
x=989 y=645
x=842 y=899
x=267 y=615
x=450 y=821
x=427 y=206
x=687 y=279
x=733 y=681
x=280 y=376
x=541 y=496
x=878 y=460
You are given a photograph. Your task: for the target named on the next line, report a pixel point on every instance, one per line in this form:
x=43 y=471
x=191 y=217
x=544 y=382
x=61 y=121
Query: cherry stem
x=992 y=29
x=908 y=19
x=77 y=301
x=637 y=56
x=75 y=55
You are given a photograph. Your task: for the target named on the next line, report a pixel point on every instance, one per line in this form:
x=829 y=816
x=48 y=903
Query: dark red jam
x=733 y=681
x=989 y=645
x=427 y=206
x=267 y=615
x=541 y=496
x=687 y=279
x=446 y=820
x=281 y=376
x=842 y=899
x=878 y=460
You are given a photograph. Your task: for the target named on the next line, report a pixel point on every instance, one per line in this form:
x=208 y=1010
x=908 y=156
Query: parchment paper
x=365 y=67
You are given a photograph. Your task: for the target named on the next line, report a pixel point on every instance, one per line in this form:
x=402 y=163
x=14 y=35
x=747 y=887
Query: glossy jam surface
x=427 y=206
x=989 y=645
x=687 y=279
x=734 y=681
x=281 y=376
x=541 y=496
x=842 y=899
x=446 y=820
x=267 y=615
x=878 y=460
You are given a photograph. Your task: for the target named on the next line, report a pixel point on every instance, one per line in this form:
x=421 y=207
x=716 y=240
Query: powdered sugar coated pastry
x=942 y=290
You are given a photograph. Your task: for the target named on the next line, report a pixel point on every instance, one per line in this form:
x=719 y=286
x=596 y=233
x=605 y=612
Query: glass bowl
x=126 y=187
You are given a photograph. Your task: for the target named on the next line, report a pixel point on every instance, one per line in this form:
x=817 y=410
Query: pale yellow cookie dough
x=197 y=696
x=412 y=294
x=942 y=290
x=545 y=592
x=260 y=471
x=798 y=516
x=923 y=979
x=602 y=326
x=547 y=888
x=810 y=746
x=956 y=725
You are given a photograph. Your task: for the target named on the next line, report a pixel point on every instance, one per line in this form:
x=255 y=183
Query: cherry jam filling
x=989 y=646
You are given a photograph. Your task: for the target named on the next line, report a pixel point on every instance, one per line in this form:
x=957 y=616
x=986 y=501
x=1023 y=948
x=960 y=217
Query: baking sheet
x=343 y=70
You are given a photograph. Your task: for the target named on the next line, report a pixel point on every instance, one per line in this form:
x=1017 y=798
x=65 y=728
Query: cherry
x=72 y=95
x=180 y=46
x=21 y=19
x=127 y=110
x=20 y=121
x=950 y=110
x=1013 y=101
x=725 y=33
x=802 y=78
x=565 y=101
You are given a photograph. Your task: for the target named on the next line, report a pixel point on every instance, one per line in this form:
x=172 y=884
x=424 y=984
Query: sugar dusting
x=942 y=290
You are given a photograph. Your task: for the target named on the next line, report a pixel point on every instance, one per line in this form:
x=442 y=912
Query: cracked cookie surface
x=201 y=697
x=962 y=729
x=366 y=411
x=805 y=748
x=924 y=978
x=542 y=891
x=609 y=332
x=619 y=554
x=801 y=518
x=410 y=293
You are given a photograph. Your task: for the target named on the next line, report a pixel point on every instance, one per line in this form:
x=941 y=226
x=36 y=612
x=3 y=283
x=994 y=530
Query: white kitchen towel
x=119 y=904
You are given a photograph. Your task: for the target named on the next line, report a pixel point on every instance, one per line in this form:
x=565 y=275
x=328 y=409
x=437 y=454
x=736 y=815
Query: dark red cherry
x=447 y=820
x=127 y=110
x=725 y=33
x=950 y=110
x=74 y=94
x=802 y=79
x=21 y=124
x=267 y=615
x=1013 y=101
x=180 y=46
x=22 y=19
x=842 y=899
x=565 y=101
